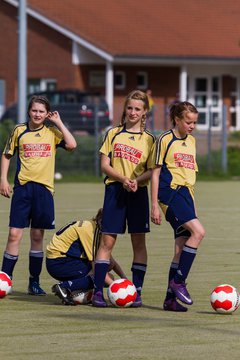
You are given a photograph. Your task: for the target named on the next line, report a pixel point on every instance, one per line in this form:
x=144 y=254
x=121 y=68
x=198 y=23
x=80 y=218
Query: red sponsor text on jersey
x=127 y=152
x=184 y=160
x=37 y=150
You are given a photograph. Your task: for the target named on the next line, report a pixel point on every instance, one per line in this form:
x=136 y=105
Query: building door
x=205 y=92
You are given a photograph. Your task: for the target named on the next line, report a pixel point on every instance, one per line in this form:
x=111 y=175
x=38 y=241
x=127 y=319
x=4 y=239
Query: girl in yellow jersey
x=70 y=257
x=124 y=159
x=173 y=179
x=32 y=203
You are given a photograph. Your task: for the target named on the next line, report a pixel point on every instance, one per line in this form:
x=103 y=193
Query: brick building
x=180 y=49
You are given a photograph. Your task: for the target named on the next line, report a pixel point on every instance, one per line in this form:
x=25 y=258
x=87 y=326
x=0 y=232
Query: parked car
x=76 y=108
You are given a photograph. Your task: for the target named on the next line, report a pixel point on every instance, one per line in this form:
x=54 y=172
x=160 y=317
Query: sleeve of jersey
x=157 y=153
x=11 y=143
x=59 y=141
x=107 y=142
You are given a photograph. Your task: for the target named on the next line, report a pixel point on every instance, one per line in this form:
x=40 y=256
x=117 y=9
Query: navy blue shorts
x=67 y=268
x=122 y=207
x=32 y=205
x=180 y=209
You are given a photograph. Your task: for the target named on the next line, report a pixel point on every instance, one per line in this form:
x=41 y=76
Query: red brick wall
x=8 y=48
x=49 y=54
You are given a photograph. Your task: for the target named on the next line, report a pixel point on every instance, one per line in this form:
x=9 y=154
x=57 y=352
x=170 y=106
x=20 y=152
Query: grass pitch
x=41 y=328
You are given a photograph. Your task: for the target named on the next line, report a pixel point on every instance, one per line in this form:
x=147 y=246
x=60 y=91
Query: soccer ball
x=82 y=297
x=122 y=293
x=58 y=176
x=225 y=299
x=5 y=284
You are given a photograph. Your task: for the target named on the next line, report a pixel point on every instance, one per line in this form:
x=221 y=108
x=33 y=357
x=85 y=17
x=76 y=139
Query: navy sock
x=84 y=283
x=138 y=274
x=35 y=265
x=8 y=264
x=186 y=260
x=100 y=271
x=172 y=272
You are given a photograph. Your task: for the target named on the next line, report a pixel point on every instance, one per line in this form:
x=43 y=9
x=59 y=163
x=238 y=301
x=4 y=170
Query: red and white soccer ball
x=5 y=284
x=225 y=299
x=82 y=297
x=122 y=293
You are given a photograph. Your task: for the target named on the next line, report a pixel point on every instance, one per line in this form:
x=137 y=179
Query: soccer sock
x=84 y=283
x=100 y=271
x=138 y=273
x=172 y=272
x=186 y=260
x=9 y=262
x=35 y=265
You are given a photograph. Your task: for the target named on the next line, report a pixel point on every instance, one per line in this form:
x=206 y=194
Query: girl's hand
x=133 y=185
x=5 y=189
x=54 y=117
x=127 y=184
x=156 y=217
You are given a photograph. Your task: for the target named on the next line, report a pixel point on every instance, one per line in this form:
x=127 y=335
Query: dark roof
x=152 y=28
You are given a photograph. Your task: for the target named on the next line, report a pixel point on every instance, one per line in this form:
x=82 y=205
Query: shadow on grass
x=48 y=299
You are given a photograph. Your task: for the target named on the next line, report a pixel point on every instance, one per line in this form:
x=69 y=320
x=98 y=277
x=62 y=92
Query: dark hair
x=136 y=95
x=178 y=109
x=41 y=100
x=98 y=217
x=97 y=233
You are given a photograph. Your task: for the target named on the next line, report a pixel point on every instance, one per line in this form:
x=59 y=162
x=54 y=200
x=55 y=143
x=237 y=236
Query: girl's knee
x=14 y=237
x=201 y=233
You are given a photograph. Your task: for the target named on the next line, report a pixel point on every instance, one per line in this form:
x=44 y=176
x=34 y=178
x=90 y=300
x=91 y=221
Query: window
x=119 y=80
x=97 y=79
x=201 y=84
x=206 y=94
x=36 y=85
x=142 y=80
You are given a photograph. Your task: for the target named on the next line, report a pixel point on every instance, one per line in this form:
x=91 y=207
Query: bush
x=82 y=162
x=5 y=130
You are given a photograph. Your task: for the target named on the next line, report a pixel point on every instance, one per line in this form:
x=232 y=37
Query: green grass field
x=42 y=328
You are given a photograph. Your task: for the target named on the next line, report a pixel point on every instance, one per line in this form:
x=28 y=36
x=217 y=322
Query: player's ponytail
x=97 y=232
x=177 y=110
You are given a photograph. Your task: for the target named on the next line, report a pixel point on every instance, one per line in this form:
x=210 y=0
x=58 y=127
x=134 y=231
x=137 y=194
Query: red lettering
x=37 y=150
x=184 y=160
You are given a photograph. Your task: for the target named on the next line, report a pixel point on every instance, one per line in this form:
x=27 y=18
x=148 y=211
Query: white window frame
x=209 y=94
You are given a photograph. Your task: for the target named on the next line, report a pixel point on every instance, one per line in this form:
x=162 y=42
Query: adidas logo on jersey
x=38 y=135
x=132 y=138
x=184 y=144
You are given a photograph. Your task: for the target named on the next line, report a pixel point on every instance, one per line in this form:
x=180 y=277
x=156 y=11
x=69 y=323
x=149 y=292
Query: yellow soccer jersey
x=128 y=151
x=78 y=239
x=177 y=157
x=36 y=150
